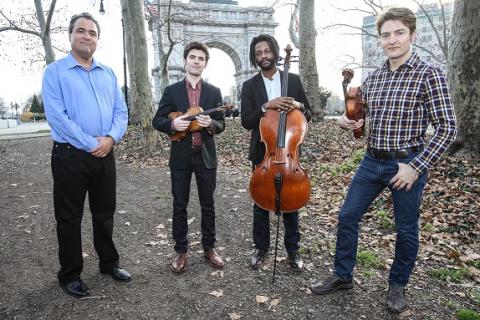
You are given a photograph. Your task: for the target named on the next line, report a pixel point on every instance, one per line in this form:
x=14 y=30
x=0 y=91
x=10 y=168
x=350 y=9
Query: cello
x=279 y=183
x=354 y=106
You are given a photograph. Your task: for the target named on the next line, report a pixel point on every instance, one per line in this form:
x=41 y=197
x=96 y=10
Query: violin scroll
x=354 y=106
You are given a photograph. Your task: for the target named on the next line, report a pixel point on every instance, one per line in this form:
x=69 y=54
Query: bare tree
x=37 y=25
x=141 y=104
x=305 y=41
x=3 y=107
x=464 y=72
x=440 y=29
x=161 y=21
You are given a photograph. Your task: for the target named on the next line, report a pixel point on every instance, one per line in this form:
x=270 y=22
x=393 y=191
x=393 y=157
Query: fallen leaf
x=274 y=302
x=261 y=299
x=216 y=293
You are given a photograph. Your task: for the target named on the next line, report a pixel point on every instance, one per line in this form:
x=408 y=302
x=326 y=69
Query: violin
x=354 y=106
x=279 y=183
x=192 y=113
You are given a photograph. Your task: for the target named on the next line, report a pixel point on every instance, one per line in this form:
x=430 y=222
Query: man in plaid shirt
x=404 y=96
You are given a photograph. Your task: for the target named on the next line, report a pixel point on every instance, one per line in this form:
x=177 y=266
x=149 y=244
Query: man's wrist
x=113 y=139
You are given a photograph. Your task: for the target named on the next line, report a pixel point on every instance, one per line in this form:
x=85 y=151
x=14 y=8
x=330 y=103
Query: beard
x=266 y=67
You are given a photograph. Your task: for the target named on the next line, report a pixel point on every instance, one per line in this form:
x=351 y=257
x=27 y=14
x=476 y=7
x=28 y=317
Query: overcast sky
x=19 y=80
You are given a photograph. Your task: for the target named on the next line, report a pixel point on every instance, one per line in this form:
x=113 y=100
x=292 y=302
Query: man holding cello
x=403 y=97
x=194 y=152
x=259 y=94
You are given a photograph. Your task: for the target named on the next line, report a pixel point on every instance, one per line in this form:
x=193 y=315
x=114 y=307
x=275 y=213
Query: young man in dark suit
x=259 y=93
x=196 y=153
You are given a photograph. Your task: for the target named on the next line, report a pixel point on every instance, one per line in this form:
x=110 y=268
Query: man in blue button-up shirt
x=87 y=114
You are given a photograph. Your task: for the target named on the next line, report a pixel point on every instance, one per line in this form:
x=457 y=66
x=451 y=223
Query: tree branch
x=364 y=31
x=15 y=28
x=50 y=15
x=291 y=28
x=440 y=42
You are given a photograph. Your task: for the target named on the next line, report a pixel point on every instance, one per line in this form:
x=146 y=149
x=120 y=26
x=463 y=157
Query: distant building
x=373 y=56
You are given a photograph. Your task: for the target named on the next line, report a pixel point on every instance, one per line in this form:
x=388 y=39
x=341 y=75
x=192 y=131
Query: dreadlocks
x=271 y=42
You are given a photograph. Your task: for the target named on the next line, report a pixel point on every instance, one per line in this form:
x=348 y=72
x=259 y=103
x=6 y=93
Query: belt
x=63 y=145
x=395 y=154
x=197 y=149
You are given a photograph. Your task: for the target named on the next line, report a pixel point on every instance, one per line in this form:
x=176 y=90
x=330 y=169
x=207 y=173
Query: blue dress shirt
x=82 y=104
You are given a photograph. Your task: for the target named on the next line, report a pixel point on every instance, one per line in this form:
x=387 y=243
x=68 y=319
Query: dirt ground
x=28 y=266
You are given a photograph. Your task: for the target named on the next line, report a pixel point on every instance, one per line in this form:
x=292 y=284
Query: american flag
x=149 y=8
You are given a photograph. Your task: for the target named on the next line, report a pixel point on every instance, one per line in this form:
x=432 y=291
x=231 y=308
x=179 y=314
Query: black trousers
x=75 y=173
x=261 y=229
x=206 y=182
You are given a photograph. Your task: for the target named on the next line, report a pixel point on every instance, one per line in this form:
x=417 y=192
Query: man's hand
x=204 y=120
x=282 y=104
x=348 y=124
x=180 y=124
x=105 y=145
x=405 y=177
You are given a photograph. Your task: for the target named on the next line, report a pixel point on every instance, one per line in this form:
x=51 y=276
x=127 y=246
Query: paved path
x=26 y=130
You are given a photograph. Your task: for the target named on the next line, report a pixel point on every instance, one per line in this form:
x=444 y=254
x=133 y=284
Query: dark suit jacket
x=254 y=95
x=175 y=98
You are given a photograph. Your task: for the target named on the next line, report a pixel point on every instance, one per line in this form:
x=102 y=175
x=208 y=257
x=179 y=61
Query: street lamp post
x=102 y=12
x=124 y=65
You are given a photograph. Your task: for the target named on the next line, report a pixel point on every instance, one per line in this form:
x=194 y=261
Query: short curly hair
x=405 y=15
x=195 y=45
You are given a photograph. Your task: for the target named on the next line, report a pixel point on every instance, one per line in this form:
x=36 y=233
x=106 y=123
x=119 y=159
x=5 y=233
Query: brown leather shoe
x=180 y=263
x=214 y=259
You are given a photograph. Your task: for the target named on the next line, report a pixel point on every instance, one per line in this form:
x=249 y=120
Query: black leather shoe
x=331 y=284
x=296 y=263
x=396 y=299
x=118 y=274
x=257 y=258
x=75 y=288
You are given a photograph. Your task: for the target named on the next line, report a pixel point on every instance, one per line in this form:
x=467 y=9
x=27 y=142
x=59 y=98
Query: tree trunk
x=162 y=55
x=308 y=61
x=133 y=117
x=137 y=56
x=45 y=30
x=464 y=74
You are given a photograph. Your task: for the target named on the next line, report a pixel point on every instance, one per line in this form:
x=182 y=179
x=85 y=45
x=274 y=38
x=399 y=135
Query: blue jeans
x=372 y=176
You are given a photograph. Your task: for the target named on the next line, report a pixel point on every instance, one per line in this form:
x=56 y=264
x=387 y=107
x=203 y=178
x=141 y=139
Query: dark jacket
x=254 y=95
x=175 y=98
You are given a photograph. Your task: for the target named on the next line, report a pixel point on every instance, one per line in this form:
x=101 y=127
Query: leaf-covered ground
x=445 y=280
x=450 y=221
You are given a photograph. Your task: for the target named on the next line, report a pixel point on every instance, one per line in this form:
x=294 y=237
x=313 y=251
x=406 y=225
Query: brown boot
x=214 y=259
x=180 y=263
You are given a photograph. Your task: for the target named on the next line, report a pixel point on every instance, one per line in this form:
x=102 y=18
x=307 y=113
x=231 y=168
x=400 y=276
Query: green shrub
x=385 y=220
x=349 y=164
x=449 y=274
x=466 y=314
x=368 y=259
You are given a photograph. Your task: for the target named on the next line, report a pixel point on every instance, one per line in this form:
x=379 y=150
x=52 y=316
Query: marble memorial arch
x=220 y=24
